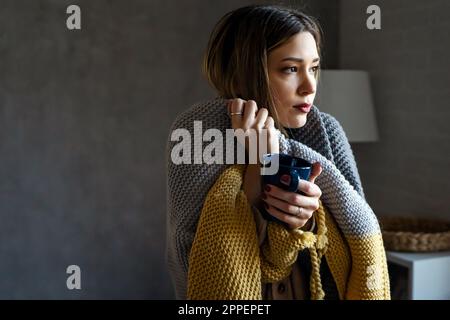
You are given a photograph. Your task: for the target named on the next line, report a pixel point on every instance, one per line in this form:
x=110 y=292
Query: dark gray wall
x=84 y=118
x=407 y=171
x=327 y=14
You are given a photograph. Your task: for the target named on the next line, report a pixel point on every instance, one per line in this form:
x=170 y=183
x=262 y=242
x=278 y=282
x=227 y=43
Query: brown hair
x=235 y=62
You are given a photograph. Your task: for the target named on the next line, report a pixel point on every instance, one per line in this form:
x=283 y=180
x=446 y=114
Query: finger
x=292 y=221
x=261 y=117
x=272 y=136
x=270 y=123
x=315 y=172
x=250 y=109
x=236 y=106
x=309 y=188
x=292 y=198
x=288 y=208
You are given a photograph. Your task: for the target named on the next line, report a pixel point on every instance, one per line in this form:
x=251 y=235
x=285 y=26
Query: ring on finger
x=299 y=211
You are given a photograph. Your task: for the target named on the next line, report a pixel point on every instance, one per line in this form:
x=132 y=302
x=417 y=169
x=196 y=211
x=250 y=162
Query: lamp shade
x=346 y=95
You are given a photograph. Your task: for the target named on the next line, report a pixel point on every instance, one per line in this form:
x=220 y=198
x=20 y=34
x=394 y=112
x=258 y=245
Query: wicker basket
x=415 y=235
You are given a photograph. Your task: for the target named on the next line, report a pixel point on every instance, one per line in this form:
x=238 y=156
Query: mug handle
x=294 y=181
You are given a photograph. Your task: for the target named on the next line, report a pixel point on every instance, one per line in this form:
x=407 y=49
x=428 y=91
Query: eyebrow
x=298 y=59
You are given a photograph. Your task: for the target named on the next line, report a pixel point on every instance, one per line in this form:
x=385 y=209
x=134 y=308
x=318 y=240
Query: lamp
x=346 y=95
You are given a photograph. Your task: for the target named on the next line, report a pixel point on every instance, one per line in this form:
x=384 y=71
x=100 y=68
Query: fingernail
x=285 y=179
x=266 y=205
x=267 y=188
x=264 y=196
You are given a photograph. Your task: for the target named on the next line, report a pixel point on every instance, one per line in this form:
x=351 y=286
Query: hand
x=246 y=115
x=284 y=205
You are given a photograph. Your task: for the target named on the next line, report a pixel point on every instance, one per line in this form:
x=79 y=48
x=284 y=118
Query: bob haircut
x=235 y=61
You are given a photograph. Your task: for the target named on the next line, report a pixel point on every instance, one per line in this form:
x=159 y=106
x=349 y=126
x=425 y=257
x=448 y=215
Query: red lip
x=304 y=107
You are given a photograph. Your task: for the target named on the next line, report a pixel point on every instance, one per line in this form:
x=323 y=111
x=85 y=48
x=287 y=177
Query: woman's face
x=292 y=68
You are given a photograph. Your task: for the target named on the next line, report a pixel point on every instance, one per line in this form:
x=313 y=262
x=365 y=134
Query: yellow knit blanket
x=227 y=263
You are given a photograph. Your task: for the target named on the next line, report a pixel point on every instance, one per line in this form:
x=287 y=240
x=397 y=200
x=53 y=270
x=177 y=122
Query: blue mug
x=297 y=168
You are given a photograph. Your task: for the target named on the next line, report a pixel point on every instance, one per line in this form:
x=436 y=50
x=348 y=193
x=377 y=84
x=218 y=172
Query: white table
x=428 y=273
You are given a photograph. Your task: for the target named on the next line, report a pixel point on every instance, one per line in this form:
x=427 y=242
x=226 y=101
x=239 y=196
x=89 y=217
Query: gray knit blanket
x=321 y=139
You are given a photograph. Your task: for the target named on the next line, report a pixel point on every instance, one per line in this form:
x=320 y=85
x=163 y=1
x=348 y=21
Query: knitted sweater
x=322 y=139
x=227 y=262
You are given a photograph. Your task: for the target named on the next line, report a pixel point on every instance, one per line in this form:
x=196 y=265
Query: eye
x=290 y=69
x=315 y=69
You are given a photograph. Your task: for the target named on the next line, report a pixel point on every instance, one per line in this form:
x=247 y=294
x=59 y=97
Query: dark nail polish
x=285 y=179
x=267 y=188
x=266 y=206
x=264 y=196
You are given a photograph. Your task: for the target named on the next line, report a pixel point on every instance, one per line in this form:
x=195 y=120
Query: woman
x=264 y=63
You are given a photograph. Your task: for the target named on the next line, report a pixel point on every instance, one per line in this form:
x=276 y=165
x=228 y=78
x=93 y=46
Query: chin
x=295 y=123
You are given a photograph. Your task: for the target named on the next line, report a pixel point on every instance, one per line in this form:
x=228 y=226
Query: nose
x=307 y=85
